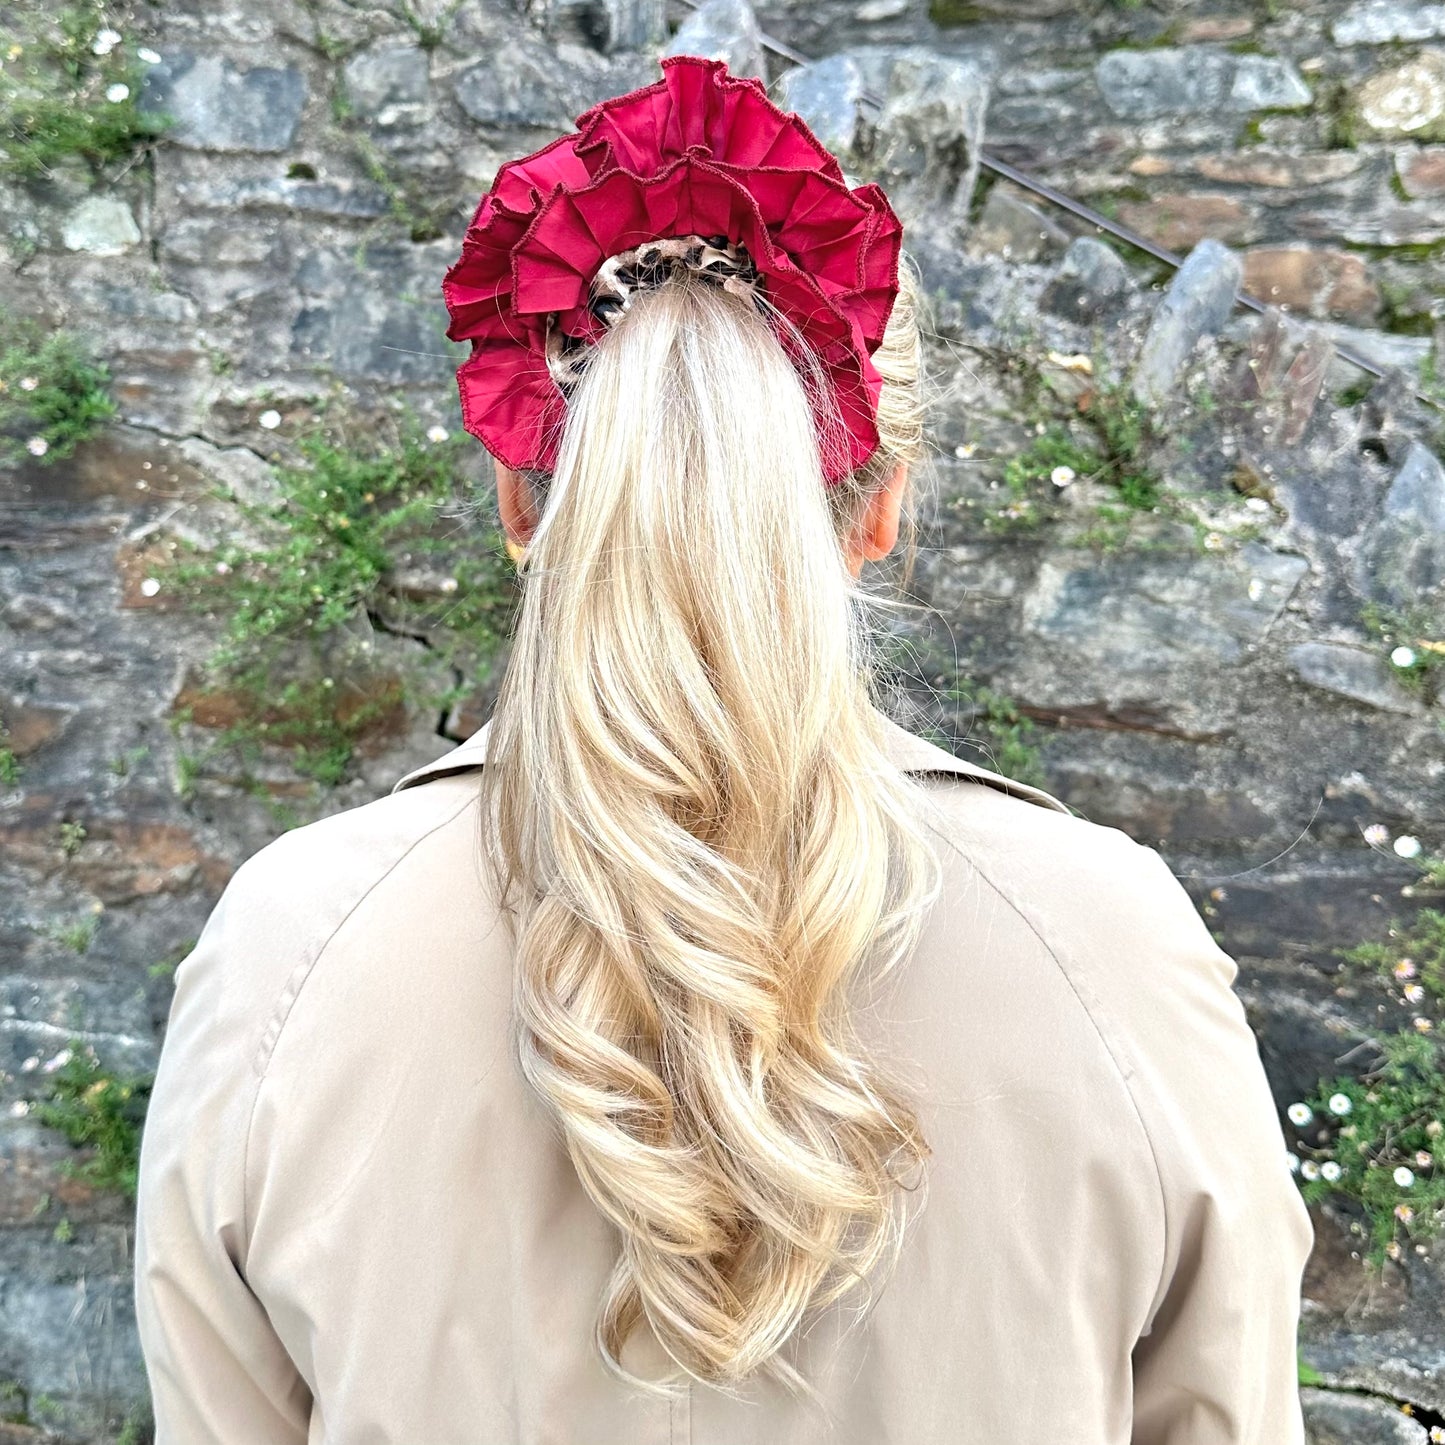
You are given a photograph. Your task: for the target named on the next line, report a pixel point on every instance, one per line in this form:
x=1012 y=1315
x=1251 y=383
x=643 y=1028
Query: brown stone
x=137 y=561
x=119 y=859
x=1421 y=170
x=1216 y=27
x=1150 y=164
x=1179 y=221
x=1260 y=166
x=1312 y=281
x=118 y=462
x=34 y=1175
x=29 y=726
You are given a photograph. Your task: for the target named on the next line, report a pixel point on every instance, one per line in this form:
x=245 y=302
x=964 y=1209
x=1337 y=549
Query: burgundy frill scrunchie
x=697 y=153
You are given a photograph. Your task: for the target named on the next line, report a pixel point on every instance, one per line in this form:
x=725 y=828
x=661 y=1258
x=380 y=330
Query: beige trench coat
x=356 y=1224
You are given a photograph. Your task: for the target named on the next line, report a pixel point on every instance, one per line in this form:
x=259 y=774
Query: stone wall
x=1171 y=551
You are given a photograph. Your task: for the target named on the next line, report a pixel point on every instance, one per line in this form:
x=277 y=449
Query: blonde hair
x=699 y=839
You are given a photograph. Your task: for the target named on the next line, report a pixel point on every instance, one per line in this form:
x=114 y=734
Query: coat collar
x=910 y=752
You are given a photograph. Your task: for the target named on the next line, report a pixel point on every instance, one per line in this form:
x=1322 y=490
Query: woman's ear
x=516 y=503
x=875 y=533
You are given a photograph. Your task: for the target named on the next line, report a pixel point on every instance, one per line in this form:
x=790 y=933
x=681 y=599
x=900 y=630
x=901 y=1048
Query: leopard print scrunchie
x=621 y=277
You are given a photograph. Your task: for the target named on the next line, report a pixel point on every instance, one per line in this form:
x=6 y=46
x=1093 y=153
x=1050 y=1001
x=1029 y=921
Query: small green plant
x=72 y=835
x=1117 y=434
x=346 y=521
x=52 y=396
x=101 y=1111
x=9 y=763
x=1000 y=731
x=70 y=88
x=429 y=33
x=122 y=764
x=13 y=1409
x=1308 y=1375
x=63 y=1232
x=1376 y=1141
x=1414 y=637
x=77 y=936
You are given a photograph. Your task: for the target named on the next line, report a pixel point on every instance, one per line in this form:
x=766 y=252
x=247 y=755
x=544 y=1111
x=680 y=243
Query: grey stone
x=101 y=225
x=216 y=107
x=67 y=1329
x=526 y=83
x=610 y=26
x=378 y=316
x=40 y=1016
x=1352 y=672
x=1198 y=302
x=1011 y=227
x=1404 y=554
x=340 y=198
x=1333 y=1418
x=388 y=83
x=930 y=130
x=1090 y=280
x=724 y=30
x=828 y=95
x=1196 y=80
x=1378 y=22
x=1137 y=614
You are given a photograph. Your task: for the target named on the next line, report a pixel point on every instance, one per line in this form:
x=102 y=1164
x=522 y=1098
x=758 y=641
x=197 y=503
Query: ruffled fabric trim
x=698 y=151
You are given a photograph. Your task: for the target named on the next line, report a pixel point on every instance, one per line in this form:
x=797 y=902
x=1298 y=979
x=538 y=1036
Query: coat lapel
x=909 y=751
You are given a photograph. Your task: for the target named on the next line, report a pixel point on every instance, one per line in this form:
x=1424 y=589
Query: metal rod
x=1085 y=213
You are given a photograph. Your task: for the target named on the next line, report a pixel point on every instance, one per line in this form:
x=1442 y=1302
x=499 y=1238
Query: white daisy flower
x=1407 y=847
x=1377 y=835
x=29 y=383
x=449 y=584
x=1405 y=968
x=1414 y=992
x=150 y=586
x=37 y=446
x=1422 y=1025
x=148 y=55
x=1310 y=1169
x=1300 y=1114
x=117 y=92
x=1293 y=1162
x=1404 y=1176
x=1330 y=1170
x=1404 y=1212
x=20 y=1108
x=105 y=41
x=1340 y=1104
x=59 y=1061
x=271 y=420
x=1403 y=657
x=436 y=433
x=1424 y=1158
x=1062 y=476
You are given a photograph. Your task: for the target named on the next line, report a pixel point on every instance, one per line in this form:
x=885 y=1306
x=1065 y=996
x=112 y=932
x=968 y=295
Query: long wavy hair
x=702 y=848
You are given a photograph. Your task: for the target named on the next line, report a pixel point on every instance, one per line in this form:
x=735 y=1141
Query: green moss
x=420 y=216
x=101 y=1111
x=949 y=14
x=55 y=89
x=52 y=395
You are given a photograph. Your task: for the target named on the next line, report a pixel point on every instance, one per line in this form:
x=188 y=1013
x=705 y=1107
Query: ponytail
x=700 y=842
